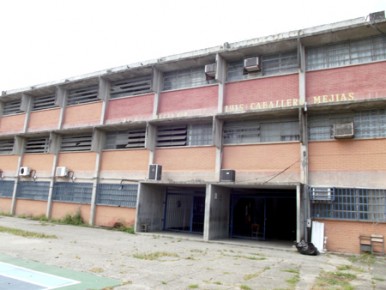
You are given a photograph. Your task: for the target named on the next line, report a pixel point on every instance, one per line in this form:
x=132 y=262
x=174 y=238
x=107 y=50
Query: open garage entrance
x=184 y=210
x=264 y=214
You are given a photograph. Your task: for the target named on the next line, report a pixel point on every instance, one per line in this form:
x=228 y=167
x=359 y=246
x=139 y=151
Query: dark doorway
x=185 y=210
x=263 y=214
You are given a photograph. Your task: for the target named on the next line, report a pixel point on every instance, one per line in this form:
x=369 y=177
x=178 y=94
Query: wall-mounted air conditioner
x=228 y=175
x=210 y=70
x=24 y=171
x=155 y=172
x=61 y=171
x=344 y=130
x=322 y=193
x=252 y=64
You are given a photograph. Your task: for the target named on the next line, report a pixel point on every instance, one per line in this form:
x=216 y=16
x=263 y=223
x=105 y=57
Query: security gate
x=184 y=210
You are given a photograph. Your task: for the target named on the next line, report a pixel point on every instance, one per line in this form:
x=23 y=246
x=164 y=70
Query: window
x=184 y=135
x=6 y=146
x=12 y=107
x=37 y=145
x=123 y=195
x=76 y=143
x=242 y=132
x=6 y=188
x=131 y=87
x=33 y=190
x=367 y=124
x=45 y=102
x=346 y=53
x=83 y=95
x=187 y=78
x=125 y=139
x=72 y=192
x=353 y=204
x=273 y=64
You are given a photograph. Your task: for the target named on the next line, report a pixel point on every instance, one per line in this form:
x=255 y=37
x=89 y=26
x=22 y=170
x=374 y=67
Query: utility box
x=228 y=175
x=155 y=172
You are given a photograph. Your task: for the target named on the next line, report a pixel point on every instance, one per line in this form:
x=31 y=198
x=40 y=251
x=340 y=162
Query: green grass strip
x=26 y=234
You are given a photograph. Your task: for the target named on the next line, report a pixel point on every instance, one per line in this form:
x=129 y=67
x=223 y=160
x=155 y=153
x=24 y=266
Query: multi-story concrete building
x=254 y=139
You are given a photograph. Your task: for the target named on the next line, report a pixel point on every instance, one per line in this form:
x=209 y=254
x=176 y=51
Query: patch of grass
x=122 y=228
x=349 y=268
x=26 y=234
x=334 y=280
x=294 y=279
x=193 y=286
x=75 y=219
x=367 y=259
x=6 y=214
x=245 y=287
x=256 y=274
x=154 y=255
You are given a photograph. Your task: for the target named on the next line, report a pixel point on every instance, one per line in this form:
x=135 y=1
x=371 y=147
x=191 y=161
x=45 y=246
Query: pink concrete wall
x=130 y=109
x=108 y=216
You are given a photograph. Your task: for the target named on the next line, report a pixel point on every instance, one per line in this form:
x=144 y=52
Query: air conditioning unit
x=61 y=171
x=377 y=16
x=24 y=171
x=210 y=70
x=322 y=193
x=227 y=175
x=251 y=64
x=345 y=130
x=155 y=172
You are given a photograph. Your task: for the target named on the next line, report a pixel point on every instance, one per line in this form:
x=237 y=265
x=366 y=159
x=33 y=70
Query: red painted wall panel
x=130 y=109
x=189 y=102
x=357 y=82
x=262 y=93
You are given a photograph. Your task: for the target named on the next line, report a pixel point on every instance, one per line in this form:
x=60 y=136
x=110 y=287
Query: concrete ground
x=168 y=261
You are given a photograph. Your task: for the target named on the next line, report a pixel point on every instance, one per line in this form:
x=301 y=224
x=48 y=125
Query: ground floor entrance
x=263 y=214
x=184 y=210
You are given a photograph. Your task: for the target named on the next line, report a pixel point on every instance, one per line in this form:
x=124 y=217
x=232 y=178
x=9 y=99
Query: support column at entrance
x=217 y=215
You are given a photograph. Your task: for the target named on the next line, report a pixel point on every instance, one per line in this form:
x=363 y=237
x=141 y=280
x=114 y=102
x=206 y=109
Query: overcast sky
x=48 y=40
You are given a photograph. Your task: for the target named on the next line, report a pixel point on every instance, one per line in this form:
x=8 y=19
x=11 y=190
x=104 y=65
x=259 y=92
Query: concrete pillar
x=19 y=150
x=104 y=94
x=25 y=106
x=217 y=212
x=97 y=146
x=150 y=207
x=157 y=87
x=54 y=149
x=221 y=78
x=61 y=100
x=217 y=141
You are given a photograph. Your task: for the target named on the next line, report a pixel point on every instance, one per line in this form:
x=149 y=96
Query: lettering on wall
x=332 y=98
x=262 y=105
x=286 y=103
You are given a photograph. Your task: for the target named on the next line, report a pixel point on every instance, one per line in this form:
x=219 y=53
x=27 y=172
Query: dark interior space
x=263 y=215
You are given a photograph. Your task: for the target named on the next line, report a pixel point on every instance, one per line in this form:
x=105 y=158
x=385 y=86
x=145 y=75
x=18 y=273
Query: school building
x=254 y=140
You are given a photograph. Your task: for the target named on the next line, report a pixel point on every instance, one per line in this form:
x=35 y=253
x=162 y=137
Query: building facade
x=255 y=139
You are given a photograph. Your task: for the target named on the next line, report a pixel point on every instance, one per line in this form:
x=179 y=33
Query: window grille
x=33 y=190
x=346 y=53
x=126 y=139
x=6 y=188
x=76 y=143
x=6 y=146
x=37 y=145
x=273 y=64
x=353 y=204
x=12 y=107
x=367 y=124
x=72 y=192
x=45 y=102
x=83 y=95
x=131 y=87
x=242 y=132
x=184 y=135
x=122 y=195
x=187 y=78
